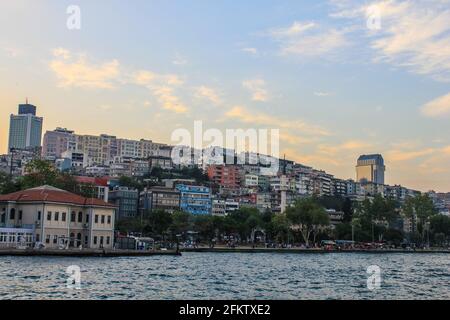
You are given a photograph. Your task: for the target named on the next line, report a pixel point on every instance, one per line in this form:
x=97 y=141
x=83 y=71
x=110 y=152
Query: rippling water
x=229 y=276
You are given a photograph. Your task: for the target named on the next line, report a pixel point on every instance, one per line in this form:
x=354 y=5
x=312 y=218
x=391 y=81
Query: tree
x=180 y=222
x=39 y=173
x=307 y=216
x=280 y=227
x=420 y=208
x=7 y=184
x=159 y=221
x=374 y=215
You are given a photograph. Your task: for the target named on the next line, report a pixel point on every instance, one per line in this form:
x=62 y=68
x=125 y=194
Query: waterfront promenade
x=87 y=253
x=224 y=249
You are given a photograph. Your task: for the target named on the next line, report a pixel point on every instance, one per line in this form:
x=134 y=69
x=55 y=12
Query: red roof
x=51 y=194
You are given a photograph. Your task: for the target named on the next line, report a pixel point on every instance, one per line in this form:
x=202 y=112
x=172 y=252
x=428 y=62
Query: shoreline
x=310 y=251
x=135 y=253
x=85 y=253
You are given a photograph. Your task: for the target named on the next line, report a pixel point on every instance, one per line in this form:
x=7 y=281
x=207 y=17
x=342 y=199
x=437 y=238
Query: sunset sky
x=314 y=69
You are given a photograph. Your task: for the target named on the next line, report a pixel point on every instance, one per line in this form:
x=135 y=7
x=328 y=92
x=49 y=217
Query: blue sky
x=314 y=69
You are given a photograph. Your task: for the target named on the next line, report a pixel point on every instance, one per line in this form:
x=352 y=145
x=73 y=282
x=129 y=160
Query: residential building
x=195 y=199
x=218 y=208
x=126 y=200
x=98 y=186
x=58 y=141
x=227 y=176
x=56 y=218
x=159 y=198
x=25 y=129
x=370 y=168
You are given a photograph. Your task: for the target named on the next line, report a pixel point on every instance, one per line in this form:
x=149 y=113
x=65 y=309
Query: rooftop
x=52 y=194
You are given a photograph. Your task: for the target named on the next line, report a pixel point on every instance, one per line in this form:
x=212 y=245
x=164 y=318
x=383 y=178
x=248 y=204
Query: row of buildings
x=101 y=160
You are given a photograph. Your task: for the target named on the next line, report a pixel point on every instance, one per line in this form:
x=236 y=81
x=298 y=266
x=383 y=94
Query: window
x=72 y=216
x=49 y=215
x=87 y=217
x=56 y=216
x=85 y=240
x=80 y=217
x=39 y=216
x=96 y=218
x=37 y=237
x=63 y=216
x=103 y=219
x=101 y=240
x=108 y=240
x=95 y=240
x=12 y=214
x=20 y=214
x=47 y=239
x=55 y=239
x=109 y=219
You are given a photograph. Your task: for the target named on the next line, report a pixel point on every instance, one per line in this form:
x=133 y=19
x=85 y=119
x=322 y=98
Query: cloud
x=257 y=89
x=168 y=99
x=253 y=51
x=308 y=39
x=297 y=28
x=322 y=94
x=204 y=92
x=163 y=87
x=414 y=35
x=179 y=60
x=78 y=72
x=243 y=115
x=438 y=107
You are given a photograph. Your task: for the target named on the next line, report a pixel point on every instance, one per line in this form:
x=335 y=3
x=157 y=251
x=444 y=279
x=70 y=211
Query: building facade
x=25 y=129
x=126 y=200
x=195 y=200
x=56 y=218
x=370 y=168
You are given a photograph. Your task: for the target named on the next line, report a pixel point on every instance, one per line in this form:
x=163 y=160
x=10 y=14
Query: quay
x=311 y=251
x=86 y=253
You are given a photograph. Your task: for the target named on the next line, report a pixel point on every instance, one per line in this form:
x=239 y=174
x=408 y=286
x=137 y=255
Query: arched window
x=12 y=214
x=72 y=238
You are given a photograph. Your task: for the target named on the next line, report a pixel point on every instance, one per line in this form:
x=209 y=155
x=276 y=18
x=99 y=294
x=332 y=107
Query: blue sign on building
x=195 y=199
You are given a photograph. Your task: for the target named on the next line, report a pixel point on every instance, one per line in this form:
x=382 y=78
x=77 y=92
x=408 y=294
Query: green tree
x=7 y=184
x=420 y=209
x=39 y=173
x=307 y=216
x=280 y=227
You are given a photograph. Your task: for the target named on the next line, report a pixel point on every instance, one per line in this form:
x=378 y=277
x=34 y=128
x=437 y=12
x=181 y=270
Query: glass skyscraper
x=370 y=168
x=25 y=129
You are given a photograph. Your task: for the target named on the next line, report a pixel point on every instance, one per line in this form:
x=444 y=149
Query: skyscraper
x=25 y=129
x=370 y=168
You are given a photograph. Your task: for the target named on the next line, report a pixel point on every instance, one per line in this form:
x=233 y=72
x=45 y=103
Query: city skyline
x=334 y=88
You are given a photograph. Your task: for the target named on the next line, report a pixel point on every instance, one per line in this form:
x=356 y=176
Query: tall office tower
x=370 y=168
x=25 y=129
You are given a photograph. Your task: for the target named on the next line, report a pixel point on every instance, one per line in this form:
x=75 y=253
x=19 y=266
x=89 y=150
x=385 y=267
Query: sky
x=338 y=78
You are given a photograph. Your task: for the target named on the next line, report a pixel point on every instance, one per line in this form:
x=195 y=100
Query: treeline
x=307 y=222
x=39 y=173
x=302 y=223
